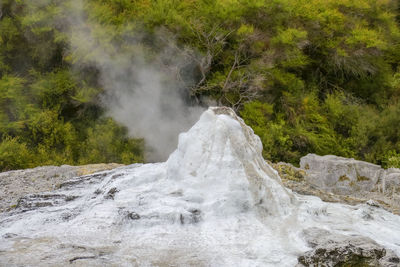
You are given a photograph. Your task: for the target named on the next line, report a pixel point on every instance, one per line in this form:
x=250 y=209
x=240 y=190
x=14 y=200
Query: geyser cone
x=220 y=156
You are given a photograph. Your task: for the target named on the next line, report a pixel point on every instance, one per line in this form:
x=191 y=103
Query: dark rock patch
x=133 y=215
x=34 y=201
x=9 y=235
x=82 y=180
x=111 y=193
x=340 y=250
x=81 y=258
x=190 y=217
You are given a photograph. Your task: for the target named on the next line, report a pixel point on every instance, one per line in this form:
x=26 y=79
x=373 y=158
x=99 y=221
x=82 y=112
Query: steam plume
x=144 y=90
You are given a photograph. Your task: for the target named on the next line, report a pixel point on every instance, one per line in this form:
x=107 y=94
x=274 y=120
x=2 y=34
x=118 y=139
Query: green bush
x=14 y=155
x=391 y=159
x=107 y=142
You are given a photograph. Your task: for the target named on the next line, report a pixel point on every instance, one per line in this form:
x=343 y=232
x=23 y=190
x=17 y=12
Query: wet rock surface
x=17 y=184
x=33 y=201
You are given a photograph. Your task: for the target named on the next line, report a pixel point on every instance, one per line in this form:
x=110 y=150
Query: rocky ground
x=330 y=178
x=16 y=184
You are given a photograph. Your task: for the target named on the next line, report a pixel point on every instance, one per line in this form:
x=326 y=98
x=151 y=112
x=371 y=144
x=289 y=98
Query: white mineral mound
x=214 y=202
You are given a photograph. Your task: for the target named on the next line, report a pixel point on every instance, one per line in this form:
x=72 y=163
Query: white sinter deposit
x=214 y=202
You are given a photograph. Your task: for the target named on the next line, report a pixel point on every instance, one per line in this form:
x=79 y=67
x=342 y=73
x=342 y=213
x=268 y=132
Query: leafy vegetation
x=308 y=76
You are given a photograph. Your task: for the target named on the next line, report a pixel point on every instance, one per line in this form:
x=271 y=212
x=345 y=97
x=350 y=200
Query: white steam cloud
x=146 y=98
x=144 y=90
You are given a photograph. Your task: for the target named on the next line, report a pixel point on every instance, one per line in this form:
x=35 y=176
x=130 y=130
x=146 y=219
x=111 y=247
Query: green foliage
x=107 y=142
x=272 y=131
x=391 y=159
x=340 y=125
x=14 y=105
x=14 y=155
x=318 y=76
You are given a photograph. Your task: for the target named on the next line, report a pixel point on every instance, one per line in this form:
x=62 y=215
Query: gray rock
x=341 y=250
x=353 y=178
x=341 y=175
x=391 y=181
x=373 y=203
